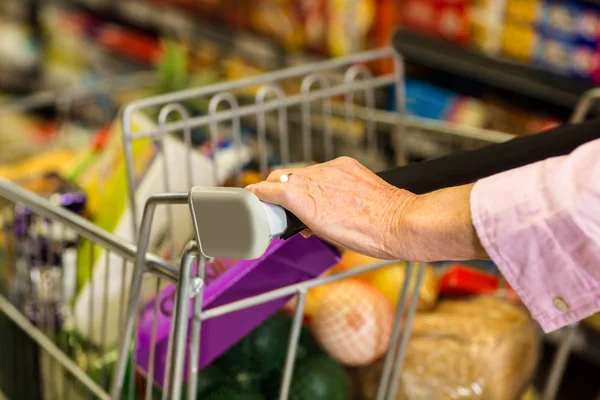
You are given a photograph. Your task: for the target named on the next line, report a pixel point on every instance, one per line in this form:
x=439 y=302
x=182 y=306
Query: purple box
x=285 y=263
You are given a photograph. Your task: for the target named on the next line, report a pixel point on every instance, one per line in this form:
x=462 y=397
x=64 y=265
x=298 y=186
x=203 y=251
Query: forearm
x=437 y=226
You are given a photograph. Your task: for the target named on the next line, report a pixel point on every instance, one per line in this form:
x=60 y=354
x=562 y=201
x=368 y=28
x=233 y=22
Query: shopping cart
x=321 y=100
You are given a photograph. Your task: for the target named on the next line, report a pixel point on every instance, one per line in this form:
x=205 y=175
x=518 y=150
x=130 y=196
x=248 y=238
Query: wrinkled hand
x=342 y=202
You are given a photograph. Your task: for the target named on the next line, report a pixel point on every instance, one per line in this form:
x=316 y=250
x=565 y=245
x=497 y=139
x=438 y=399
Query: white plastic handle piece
x=233 y=223
x=276 y=218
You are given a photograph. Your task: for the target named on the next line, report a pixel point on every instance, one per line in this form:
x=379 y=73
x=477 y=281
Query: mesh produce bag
x=479 y=348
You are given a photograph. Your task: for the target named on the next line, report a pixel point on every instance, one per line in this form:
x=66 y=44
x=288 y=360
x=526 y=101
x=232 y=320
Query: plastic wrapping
x=478 y=348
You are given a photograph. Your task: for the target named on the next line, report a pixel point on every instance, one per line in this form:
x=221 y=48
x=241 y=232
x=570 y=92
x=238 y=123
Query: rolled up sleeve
x=540 y=224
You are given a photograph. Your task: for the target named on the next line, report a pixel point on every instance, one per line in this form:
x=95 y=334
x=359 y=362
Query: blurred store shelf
x=163 y=19
x=16 y=81
x=520 y=79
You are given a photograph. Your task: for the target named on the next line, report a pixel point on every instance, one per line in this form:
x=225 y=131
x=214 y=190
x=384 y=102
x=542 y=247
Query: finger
x=271 y=192
x=306 y=233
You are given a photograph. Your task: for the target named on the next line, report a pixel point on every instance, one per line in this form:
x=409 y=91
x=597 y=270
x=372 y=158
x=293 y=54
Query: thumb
x=270 y=192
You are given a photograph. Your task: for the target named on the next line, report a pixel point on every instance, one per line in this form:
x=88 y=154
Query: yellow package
x=522 y=11
x=49 y=161
x=518 y=42
x=347 y=28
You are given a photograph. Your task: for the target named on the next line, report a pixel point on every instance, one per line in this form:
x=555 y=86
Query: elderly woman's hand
x=342 y=202
x=347 y=205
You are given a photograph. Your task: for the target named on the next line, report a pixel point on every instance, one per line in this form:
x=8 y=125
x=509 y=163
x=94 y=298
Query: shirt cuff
x=530 y=237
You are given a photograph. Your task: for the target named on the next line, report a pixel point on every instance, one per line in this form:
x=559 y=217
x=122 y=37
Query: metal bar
x=305 y=87
x=290 y=290
x=151 y=358
x=399 y=134
x=258 y=80
x=293 y=346
x=169 y=365
x=380 y=116
x=395 y=336
x=282 y=119
x=83 y=227
x=584 y=105
x=232 y=101
x=195 y=332
x=54 y=351
x=271 y=105
x=425 y=124
x=560 y=362
x=181 y=321
x=412 y=310
x=136 y=280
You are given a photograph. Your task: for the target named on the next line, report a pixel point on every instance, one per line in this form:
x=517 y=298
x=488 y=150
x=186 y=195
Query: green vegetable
x=210 y=377
x=232 y=393
x=263 y=350
x=317 y=377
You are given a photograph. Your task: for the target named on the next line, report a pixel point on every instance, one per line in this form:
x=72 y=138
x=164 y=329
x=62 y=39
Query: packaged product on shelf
x=570 y=20
x=67 y=49
x=523 y=12
x=279 y=20
x=34 y=140
x=569 y=34
x=17 y=48
x=446 y=19
x=285 y=263
x=509 y=118
x=420 y=15
x=486 y=19
x=519 y=41
x=314 y=14
x=37 y=166
x=126 y=42
x=348 y=25
x=520 y=36
x=430 y=101
x=388 y=17
x=479 y=348
x=105 y=183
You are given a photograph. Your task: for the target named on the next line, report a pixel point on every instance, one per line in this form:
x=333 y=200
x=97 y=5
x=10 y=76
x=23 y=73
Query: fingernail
x=250 y=187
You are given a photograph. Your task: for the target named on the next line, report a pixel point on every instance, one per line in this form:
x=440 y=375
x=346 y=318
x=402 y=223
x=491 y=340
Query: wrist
x=437 y=227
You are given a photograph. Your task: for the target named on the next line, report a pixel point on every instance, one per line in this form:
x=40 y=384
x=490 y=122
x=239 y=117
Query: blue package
x=428 y=101
x=570 y=58
x=569 y=21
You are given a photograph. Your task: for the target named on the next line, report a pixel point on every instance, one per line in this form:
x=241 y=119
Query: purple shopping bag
x=285 y=263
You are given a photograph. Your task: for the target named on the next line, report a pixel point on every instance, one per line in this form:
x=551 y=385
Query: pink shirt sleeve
x=541 y=225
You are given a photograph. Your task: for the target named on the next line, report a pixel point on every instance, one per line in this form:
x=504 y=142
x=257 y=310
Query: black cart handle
x=468 y=167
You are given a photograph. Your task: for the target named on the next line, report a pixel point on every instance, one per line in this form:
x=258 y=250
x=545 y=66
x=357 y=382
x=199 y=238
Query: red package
x=134 y=45
x=420 y=15
x=461 y=280
x=445 y=19
x=452 y=21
